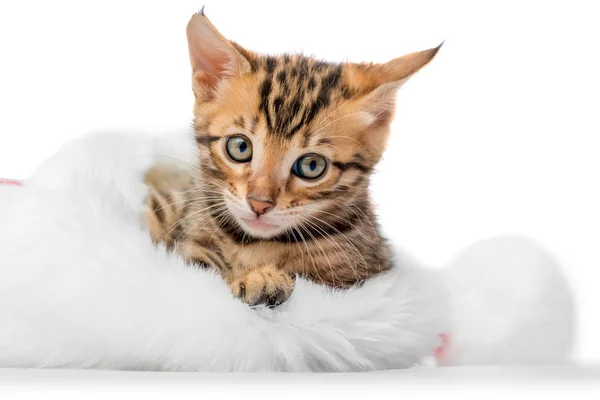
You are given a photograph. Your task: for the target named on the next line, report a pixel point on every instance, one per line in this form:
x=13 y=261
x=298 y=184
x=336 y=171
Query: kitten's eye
x=310 y=166
x=239 y=148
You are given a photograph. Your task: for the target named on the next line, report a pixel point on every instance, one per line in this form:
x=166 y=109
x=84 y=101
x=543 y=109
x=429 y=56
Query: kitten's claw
x=266 y=285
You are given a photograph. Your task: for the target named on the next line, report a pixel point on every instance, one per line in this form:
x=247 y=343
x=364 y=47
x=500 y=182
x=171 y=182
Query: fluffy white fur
x=82 y=286
x=510 y=305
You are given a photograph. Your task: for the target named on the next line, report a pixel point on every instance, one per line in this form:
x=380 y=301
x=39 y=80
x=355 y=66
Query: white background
x=500 y=134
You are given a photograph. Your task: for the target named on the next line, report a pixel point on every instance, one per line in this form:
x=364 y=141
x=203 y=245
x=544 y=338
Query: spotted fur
x=287 y=106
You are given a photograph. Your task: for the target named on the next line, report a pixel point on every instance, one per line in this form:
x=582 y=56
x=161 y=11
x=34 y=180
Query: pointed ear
x=382 y=81
x=213 y=57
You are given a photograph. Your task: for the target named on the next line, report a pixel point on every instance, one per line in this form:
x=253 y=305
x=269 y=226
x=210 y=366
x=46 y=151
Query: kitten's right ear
x=213 y=57
x=384 y=80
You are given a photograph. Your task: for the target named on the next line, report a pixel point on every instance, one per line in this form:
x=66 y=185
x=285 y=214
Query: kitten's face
x=287 y=143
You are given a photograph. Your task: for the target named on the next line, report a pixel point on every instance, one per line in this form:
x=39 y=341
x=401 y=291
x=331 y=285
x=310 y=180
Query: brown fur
x=287 y=106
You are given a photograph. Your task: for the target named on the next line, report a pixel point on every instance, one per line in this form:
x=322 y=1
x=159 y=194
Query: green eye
x=239 y=148
x=310 y=166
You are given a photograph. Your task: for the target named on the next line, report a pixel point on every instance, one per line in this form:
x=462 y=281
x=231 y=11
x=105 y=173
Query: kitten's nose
x=260 y=206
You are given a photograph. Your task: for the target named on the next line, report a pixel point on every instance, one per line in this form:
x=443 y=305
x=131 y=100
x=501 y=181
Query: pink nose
x=260 y=206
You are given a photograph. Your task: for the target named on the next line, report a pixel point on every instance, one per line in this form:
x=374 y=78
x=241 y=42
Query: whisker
x=332 y=241
x=186 y=202
x=306 y=246
x=174 y=225
x=322 y=250
x=194 y=226
x=187 y=164
x=358 y=252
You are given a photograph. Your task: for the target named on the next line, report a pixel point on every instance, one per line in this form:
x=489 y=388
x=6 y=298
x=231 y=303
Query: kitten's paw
x=266 y=285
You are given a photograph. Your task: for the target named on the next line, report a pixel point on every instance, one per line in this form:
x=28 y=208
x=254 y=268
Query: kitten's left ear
x=213 y=57
x=384 y=80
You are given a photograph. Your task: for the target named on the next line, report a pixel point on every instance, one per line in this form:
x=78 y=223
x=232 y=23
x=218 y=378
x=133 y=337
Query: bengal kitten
x=287 y=145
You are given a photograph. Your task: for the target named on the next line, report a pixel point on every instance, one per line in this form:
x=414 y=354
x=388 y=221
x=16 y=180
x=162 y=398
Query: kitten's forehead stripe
x=281 y=77
x=271 y=63
x=265 y=91
x=295 y=89
x=239 y=122
x=253 y=124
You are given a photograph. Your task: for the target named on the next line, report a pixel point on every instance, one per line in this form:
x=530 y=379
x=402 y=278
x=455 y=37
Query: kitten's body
x=287 y=145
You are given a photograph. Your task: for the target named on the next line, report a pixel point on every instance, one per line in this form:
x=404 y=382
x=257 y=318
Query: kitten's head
x=288 y=142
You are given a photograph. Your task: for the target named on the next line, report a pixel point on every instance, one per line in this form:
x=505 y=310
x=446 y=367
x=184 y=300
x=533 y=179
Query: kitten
x=287 y=146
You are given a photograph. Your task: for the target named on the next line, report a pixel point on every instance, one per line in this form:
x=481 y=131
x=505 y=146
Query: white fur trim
x=82 y=286
x=511 y=305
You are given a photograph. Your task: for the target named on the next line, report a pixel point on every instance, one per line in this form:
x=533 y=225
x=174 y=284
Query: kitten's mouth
x=253 y=225
x=257 y=225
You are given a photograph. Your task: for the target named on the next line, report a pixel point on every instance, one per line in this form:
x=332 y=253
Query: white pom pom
x=510 y=305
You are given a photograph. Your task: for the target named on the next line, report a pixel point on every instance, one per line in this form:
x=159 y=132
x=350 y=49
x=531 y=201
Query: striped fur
x=287 y=106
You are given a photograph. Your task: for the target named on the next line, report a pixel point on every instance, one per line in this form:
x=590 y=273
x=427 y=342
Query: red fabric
x=9 y=182
x=440 y=353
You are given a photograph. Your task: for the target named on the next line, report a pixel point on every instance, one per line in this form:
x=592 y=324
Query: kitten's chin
x=258 y=228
